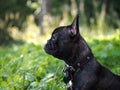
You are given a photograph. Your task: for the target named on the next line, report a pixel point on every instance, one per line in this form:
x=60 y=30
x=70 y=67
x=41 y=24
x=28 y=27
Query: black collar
x=82 y=62
x=70 y=70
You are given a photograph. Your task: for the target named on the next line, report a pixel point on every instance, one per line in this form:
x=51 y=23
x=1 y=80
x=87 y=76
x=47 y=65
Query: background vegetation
x=25 y=26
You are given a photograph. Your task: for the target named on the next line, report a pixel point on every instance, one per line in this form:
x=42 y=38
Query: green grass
x=107 y=51
x=28 y=67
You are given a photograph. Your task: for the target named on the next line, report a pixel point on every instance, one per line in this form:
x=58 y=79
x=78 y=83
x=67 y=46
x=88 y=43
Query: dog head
x=63 y=40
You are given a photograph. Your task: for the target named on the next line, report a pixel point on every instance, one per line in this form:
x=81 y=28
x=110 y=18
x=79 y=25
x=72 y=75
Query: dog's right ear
x=74 y=27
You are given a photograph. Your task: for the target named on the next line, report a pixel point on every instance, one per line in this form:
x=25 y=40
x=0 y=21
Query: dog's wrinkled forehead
x=60 y=30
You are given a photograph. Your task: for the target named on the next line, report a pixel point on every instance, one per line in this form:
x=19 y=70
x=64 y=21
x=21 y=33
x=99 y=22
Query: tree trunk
x=102 y=14
x=42 y=14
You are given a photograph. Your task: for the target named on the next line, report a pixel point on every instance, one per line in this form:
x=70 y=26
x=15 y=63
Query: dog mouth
x=50 y=48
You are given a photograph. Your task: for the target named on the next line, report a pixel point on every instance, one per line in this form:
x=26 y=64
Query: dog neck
x=80 y=61
x=80 y=54
x=79 y=64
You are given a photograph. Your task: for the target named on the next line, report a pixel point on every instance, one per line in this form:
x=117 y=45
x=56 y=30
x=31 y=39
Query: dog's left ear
x=74 y=27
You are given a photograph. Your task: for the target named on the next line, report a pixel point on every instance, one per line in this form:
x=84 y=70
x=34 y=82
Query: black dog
x=82 y=69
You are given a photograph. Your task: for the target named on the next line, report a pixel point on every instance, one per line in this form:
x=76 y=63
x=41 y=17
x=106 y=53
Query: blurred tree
x=44 y=10
x=89 y=11
x=113 y=13
x=12 y=13
x=57 y=7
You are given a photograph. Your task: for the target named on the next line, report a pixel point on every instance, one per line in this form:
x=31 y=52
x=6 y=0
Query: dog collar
x=83 y=62
x=80 y=63
x=70 y=70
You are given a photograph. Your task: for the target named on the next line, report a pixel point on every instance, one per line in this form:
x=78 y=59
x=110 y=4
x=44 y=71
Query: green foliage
x=107 y=51
x=14 y=13
x=99 y=14
x=58 y=8
x=28 y=67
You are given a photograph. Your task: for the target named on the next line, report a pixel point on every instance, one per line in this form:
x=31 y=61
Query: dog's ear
x=74 y=27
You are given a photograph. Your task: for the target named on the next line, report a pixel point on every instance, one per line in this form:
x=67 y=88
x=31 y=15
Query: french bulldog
x=82 y=68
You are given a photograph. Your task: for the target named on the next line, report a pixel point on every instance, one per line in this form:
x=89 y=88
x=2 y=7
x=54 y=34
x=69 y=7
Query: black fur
x=67 y=44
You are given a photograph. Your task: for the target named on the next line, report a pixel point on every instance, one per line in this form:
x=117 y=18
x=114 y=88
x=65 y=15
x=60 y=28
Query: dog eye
x=54 y=38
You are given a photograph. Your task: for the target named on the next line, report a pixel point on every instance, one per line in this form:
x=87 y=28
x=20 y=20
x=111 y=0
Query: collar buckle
x=68 y=70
